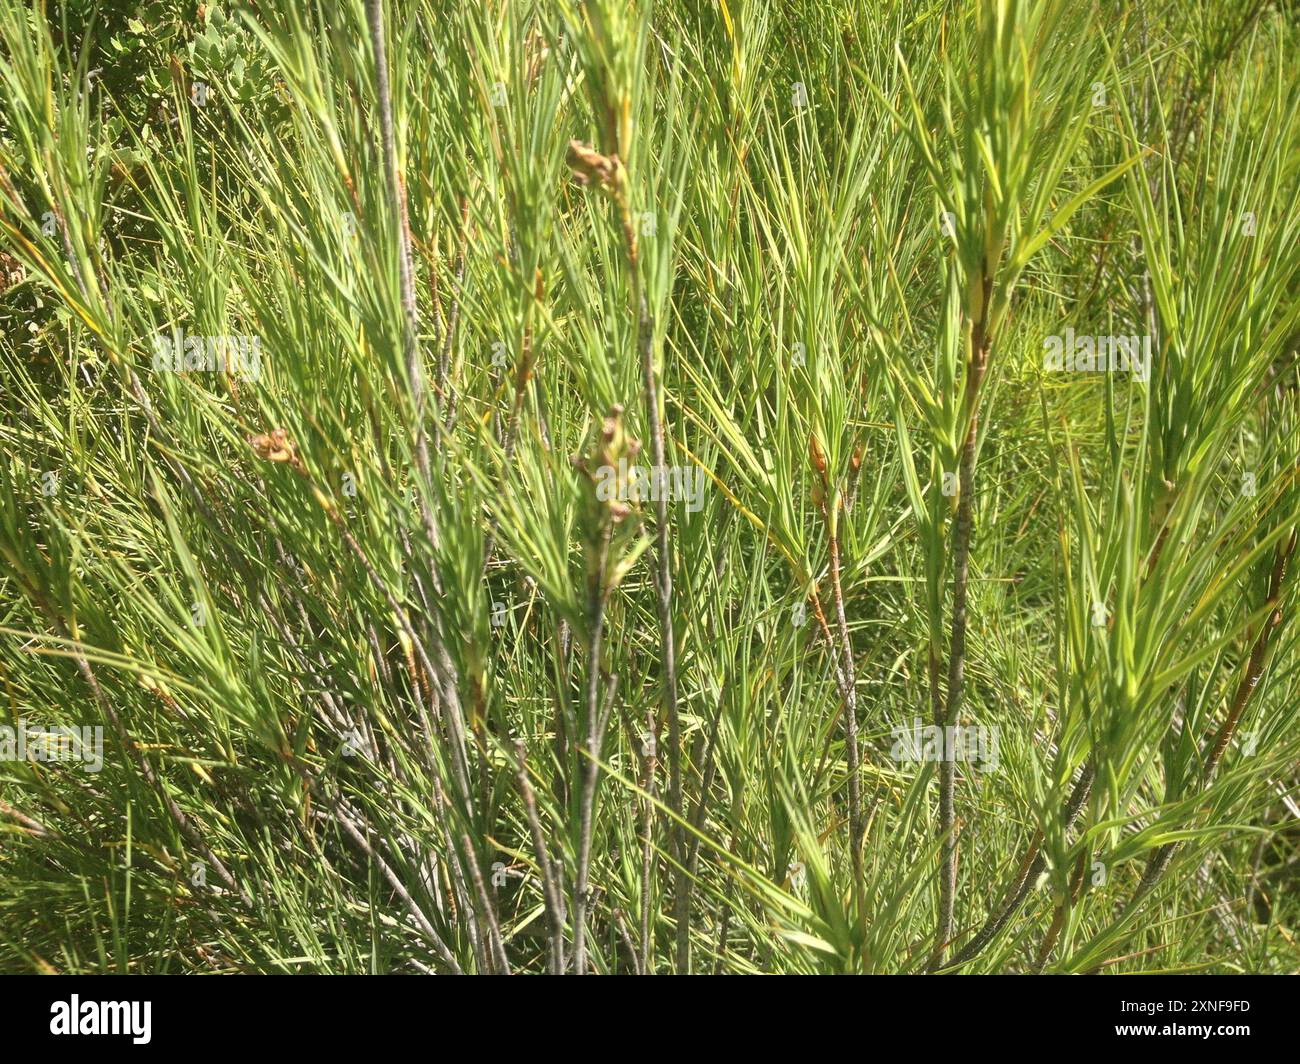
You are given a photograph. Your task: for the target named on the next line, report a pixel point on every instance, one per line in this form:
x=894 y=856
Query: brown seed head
x=589 y=166
x=276 y=446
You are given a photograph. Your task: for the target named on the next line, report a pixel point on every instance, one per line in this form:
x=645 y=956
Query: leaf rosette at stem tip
x=606 y=33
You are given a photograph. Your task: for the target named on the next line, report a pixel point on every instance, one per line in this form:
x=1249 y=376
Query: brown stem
x=1062 y=911
x=850 y=707
x=1030 y=868
x=500 y=965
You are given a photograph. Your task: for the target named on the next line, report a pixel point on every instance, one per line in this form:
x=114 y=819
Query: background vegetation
x=387 y=684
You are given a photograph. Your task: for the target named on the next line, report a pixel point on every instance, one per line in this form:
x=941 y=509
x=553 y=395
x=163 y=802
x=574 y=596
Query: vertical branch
x=976 y=369
x=595 y=733
x=664 y=589
x=550 y=880
x=647 y=839
x=851 y=713
x=445 y=669
x=608 y=173
x=830 y=507
x=495 y=943
x=414 y=364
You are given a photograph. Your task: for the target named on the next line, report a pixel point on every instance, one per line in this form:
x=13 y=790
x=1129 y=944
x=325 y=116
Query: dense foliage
x=711 y=485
